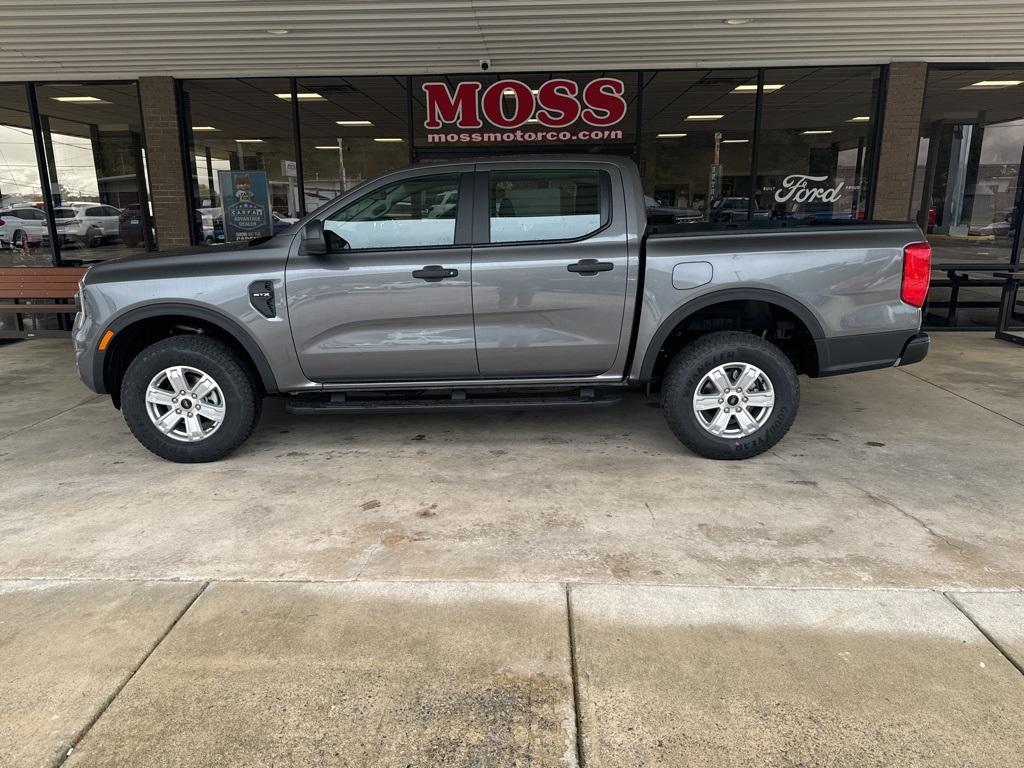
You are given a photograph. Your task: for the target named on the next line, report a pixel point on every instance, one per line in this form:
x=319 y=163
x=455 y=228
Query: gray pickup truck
x=500 y=283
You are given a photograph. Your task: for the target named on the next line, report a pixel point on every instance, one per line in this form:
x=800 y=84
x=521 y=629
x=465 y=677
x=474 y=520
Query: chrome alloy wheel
x=185 y=403
x=734 y=400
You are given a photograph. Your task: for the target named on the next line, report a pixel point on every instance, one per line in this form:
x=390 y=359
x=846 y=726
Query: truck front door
x=391 y=300
x=549 y=270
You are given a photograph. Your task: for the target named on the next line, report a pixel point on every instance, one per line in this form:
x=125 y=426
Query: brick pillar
x=897 y=157
x=163 y=156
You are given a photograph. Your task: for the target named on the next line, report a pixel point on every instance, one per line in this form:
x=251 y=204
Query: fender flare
x=222 y=321
x=684 y=311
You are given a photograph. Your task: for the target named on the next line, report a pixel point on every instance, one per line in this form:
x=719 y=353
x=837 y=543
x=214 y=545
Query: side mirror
x=313 y=242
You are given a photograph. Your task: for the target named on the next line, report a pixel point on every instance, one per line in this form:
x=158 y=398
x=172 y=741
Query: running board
x=458 y=400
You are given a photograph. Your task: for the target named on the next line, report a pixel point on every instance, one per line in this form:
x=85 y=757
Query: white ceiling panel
x=83 y=39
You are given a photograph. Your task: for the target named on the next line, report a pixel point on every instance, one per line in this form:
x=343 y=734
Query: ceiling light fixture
x=278 y=31
x=79 y=100
x=994 y=84
x=305 y=96
x=814 y=133
x=735 y=141
x=335 y=147
x=704 y=117
x=387 y=140
x=859 y=119
x=752 y=88
x=670 y=135
x=353 y=122
x=204 y=128
x=736 y=22
x=248 y=141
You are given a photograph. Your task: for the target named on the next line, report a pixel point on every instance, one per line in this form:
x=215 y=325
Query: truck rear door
x=549 y=269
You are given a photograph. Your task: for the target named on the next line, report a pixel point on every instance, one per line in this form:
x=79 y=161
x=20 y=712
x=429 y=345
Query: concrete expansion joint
x=66 y=755
x=574 y=672
x=965 y=399
x=987 y=635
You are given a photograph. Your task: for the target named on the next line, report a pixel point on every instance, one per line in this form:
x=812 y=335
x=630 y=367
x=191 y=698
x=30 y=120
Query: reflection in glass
x=415 y=213
x=24 y=233
x=966 y=186
x=352 y=129
x=970 y=155
x=543 y=205
x=96 y=164
x=695 y=144
x=814 y=152
x=241 y=125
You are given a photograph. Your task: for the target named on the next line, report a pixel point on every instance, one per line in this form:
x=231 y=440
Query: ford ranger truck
x=500 y=283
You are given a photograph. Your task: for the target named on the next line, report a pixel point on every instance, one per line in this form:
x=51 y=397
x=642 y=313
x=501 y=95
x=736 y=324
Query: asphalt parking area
x=519 y=588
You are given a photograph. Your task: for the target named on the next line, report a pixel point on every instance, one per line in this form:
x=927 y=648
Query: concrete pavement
x=284 y=674
x=753 y=677
x=66 y=649
x=351 y=674
x=887 y=479
x=852 y=598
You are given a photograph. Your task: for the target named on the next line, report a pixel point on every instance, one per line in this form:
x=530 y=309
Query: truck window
x=527 y=206
x=414 y=213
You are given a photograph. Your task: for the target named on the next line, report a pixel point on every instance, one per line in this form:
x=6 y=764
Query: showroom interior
x=76 y=148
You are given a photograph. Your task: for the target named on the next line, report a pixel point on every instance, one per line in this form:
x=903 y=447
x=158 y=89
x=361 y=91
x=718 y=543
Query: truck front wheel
x=190 y=399
x=730 y=395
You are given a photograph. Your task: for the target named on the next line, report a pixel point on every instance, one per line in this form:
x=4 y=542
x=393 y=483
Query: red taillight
x=2 y=222
x=917 y=272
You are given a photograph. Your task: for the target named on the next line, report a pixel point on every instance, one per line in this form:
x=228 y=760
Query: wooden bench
x=49 y=291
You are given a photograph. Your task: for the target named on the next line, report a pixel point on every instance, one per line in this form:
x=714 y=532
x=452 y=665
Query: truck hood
x=201 y=260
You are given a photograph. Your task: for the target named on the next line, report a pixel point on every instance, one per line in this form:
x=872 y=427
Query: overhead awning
x=79 y=39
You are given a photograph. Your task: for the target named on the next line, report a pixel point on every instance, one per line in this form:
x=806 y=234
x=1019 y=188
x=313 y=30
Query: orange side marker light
x=105 y=341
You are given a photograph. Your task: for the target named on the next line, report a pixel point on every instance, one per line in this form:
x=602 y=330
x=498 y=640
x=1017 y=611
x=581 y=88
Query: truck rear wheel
x=190 y=399
x=730 y=395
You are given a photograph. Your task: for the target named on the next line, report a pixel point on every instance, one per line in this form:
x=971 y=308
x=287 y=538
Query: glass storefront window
x=814 y=149
x=241 y=125
x=92 y=137
x=972 y=139
x=695 y=144
x=24 y=233
x=966 y=187
x=352 y=129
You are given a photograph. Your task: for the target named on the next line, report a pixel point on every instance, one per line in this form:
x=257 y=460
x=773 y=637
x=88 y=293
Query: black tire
x=243 y=400
x=20 y=241
x=691 y=364
x=94 y=238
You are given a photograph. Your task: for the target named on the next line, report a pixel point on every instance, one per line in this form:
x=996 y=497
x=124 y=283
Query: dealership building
x=120 y=121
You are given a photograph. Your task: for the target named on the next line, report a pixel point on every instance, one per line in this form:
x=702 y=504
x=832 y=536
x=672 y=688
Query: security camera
x=485 y=64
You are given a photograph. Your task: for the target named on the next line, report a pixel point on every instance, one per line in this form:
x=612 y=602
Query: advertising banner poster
x=246 y=199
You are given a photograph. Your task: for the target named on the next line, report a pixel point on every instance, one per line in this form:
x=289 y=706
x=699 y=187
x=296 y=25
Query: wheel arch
x=685 y=312
x=109 y=366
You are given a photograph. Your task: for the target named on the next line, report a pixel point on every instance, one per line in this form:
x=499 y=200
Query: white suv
x=87 y=223
x=23 y=225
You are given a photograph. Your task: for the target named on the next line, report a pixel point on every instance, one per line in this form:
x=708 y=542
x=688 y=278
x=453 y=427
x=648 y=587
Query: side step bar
x=458 y=400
